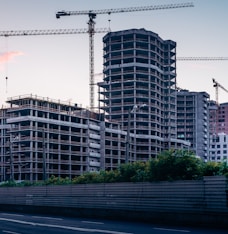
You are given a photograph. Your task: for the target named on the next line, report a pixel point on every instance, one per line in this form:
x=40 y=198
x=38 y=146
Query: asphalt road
x=15 y=223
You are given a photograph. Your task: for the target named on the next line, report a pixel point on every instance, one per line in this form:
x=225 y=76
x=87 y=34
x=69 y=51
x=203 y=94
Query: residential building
x=218 y=118
x=218 y=132
x=218 y=148
x=193 y=120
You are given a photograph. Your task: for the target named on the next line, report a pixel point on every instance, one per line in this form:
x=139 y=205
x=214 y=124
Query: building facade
x=218 y=118
x=4 y=145
x=47 y=137
x=218 y=148
x=41 y=137
x=218 y=132
x=193 y=120
x=140 y=71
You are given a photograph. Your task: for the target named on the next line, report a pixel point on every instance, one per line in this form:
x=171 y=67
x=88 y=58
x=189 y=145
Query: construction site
x=141 y=111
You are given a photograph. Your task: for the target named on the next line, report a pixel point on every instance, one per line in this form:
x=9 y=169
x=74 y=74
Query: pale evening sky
x=58 y=66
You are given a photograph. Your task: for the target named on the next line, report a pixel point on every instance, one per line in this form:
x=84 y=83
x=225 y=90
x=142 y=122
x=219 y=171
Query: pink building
x=218 y=118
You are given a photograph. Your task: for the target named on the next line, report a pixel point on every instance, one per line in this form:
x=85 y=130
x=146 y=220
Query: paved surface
x=15 y=223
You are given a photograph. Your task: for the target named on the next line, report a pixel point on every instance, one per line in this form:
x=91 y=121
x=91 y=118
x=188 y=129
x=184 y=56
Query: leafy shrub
x=175 y=165
x=215 y=168
x=169 y=165
x=211 y=169
x=135 y=172
x=89 y=177
x=110 y=176
x=53 y=180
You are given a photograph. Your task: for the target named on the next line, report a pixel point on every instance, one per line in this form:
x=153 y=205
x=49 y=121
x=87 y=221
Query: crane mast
x=217 y=85
x=91 y=29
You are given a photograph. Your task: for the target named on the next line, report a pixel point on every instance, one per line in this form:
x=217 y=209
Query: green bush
x=211 y=169
x=135 y=172
x=223 y=169
x=110 y=176
x=169 y=165
x=89 y=177
x=175 y=165
x=53 y=180
x=8 y=183
x=215 y=168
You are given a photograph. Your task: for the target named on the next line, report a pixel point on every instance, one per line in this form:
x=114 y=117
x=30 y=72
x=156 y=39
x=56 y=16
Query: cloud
x=6 y=57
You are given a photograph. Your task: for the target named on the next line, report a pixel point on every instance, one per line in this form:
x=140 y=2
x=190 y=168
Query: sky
x=57 y=66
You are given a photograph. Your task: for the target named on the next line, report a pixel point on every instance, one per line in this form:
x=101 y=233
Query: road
x=16 y=223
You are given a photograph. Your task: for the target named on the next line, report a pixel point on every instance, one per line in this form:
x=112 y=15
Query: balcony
x=94 y=154
x=94 y=145
x=94 y=164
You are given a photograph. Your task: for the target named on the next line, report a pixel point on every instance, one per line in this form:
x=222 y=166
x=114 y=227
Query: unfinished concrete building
x=193 y=120
x=48 y=137
x=138 y=90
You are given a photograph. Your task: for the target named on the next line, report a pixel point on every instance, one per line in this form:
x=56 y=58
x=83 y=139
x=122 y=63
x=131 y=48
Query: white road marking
x=92 y=222
x=12 y=214
x=43 y=217
x=171 y=230
x=64 y=227
x=9 y=232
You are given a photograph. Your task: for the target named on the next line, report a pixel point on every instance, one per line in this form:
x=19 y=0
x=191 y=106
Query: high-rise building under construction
x=138 y=90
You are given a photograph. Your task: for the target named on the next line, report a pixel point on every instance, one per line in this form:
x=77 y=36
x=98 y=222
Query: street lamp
x=130 y=111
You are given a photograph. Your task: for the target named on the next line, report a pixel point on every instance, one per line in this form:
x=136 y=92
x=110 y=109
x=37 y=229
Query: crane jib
x=127 y=9
x=10 y=33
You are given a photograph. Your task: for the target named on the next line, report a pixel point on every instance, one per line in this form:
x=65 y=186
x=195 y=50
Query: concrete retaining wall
x=203 y=202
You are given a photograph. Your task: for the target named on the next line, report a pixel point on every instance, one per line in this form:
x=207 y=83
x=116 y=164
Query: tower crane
x=217 y=85
x=38 y=32
x=215 y=107
x=91 y=29
x=203 y=59
x=10 y=33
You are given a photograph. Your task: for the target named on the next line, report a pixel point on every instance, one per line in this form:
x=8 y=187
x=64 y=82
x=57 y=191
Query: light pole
x=11 y=141
x=130 y=111
x=11 y=162
x=44 y=156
